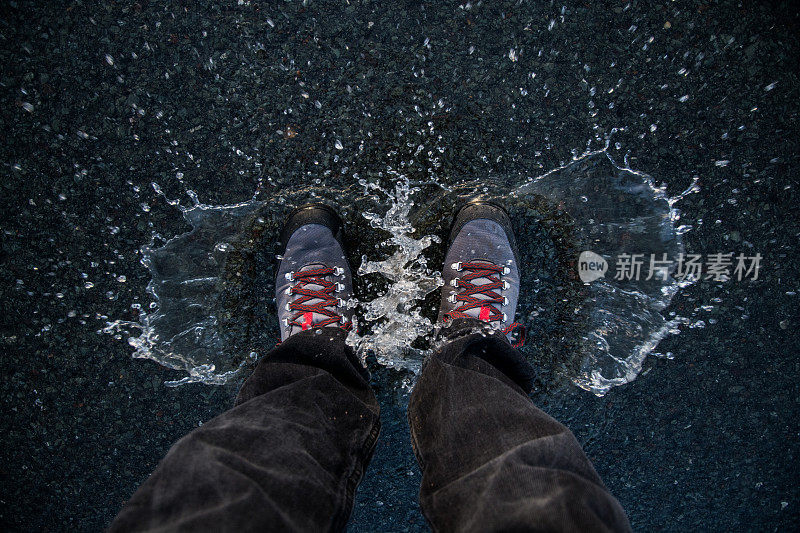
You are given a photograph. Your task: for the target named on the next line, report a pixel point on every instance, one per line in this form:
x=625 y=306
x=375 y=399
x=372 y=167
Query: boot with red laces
x=314 y=281
x=481 y=270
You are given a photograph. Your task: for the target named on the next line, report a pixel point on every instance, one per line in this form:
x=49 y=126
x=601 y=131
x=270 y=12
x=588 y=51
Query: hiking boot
x=314 y=280
x=481 y=270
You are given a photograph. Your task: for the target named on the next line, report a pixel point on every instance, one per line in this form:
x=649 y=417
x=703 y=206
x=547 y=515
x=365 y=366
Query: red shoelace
x=488 y=312
x=304 y=316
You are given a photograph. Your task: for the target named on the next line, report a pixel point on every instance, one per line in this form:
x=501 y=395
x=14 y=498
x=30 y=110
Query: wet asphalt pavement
x=99 y=99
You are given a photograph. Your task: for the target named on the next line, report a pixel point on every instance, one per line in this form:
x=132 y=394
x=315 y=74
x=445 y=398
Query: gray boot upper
x=482 y=252
x=313 y=247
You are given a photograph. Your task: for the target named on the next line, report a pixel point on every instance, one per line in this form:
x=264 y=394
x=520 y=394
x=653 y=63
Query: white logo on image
x=591 y=266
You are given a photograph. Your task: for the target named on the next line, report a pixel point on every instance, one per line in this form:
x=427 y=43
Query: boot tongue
x=481 y=313
x=309 y=319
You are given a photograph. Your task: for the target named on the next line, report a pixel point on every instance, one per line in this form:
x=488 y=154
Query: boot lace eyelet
x=478 y=292
x=315 y=304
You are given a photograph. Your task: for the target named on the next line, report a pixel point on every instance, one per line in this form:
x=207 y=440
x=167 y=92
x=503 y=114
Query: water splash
x=617 y=210
x=611 y=325
x=396 y=312
x=180 y=329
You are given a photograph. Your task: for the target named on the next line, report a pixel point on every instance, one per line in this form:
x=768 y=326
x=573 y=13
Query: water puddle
x=612 y=211
x=180 y=328
x=212 y=315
